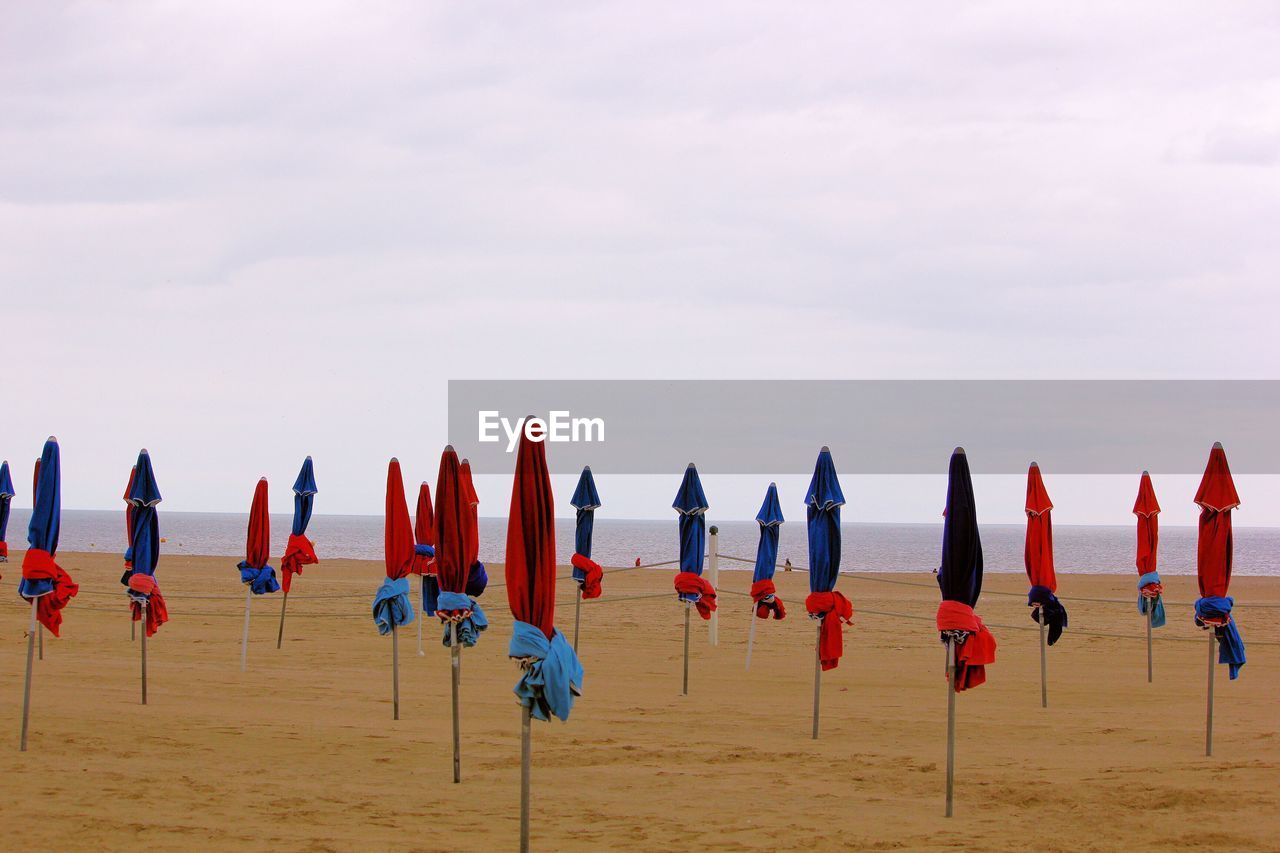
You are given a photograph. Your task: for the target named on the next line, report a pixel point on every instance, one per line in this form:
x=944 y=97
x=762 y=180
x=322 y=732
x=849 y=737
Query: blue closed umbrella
x=587 y=572
x=146 y=602
x=304 y=494
x=6 y=495
x=822 y=509
x=764 y=595
x=299 y=551
x=691 y=505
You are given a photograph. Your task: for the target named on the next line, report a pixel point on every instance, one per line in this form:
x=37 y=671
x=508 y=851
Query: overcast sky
x=238 y=233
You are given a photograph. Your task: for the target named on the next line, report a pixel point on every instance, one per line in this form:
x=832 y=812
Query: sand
x=301 y=753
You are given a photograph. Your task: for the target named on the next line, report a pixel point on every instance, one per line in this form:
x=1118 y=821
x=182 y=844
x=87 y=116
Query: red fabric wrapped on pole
x=688 y=583
x=978 y=648
x=834 y=609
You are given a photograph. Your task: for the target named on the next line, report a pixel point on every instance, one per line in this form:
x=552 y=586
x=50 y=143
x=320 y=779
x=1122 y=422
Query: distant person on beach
x=637 y=562
x=786 y=566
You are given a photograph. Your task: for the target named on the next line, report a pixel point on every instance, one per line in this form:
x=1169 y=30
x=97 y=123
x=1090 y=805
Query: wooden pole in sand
x=577 y=618
x=144 y=650
x=133 y=636
x=1044 y=664
x=423 y=578
x=817 y=678
x=26 y=690
x=1208 y=720
x=951 y=720
x=395 y=671
x=526 y=760
x=457 y=732
x=1148 y=641
x=751 y=633
x=684 y=691
x=283 y=604
x=713 y=567
x=244 y=640
x=40 y=634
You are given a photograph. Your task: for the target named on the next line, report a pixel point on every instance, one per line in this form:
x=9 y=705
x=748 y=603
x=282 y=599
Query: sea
x=620 y=542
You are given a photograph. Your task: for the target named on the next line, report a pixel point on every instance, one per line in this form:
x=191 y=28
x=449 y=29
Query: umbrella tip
x=691 y=465
x=959 y=451
x=1035 y=464
x=262 y=479
x=54 y=439
x=586 y=467
x=1146 y=473
x=773 y=485
x=465 y=461
x=1217 y=445
x=825 y=449
x=143 y=452
x=448 y=448
x=308 y=459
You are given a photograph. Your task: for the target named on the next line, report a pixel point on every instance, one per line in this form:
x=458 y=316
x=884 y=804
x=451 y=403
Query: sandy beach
x=301 y=753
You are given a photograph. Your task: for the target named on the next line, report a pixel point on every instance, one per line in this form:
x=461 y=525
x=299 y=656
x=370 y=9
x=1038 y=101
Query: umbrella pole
x=421 y=653
x=1208 y=721
x=457 y=735
x=951 y=720
x=26 y=690
x=395 y=672
x=526 y=759
x=751 y=634
x=244 y=639
x=685 y=690
x=133 y=636
x=283 y=604
x=40 y=634
x=144 y=651
x=577 y=618
x=817 y=678
x=1149 y=609
x=1044 y=665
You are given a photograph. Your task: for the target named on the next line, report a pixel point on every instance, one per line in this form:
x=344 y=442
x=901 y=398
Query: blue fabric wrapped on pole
x=469 y=627
x=1156 y=604
x=430 y=583
x=1211 y=611
x=6 y=495
x=550 y=683
x=1055 y=615
x=261 y=580
x=477 y=580
x=391 y=605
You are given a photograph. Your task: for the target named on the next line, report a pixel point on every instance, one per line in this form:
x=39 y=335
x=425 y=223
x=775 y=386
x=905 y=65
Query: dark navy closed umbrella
x=763 y=592
x=299 y=551
x=586 y=571
x=691 y=505
x=822 y=508
x=145 y=601
x=6 y=495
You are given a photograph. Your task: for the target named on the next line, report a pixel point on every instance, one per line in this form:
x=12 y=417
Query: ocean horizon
x=868 y=547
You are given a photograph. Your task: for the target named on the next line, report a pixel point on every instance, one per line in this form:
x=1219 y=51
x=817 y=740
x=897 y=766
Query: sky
x=239 y=233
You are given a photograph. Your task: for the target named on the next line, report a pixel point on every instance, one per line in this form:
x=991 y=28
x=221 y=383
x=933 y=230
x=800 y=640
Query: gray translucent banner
x=875 y=426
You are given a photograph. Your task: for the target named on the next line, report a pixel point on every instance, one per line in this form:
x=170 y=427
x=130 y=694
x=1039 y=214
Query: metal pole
x=577 y=618
x=526 y=756
x=421 y=653
x=457 y=733
x=1208 y=721
x=133 y=636
x=685 y=690
x=1149 y=668
x=713 y=630
x=951 y=720
x=395 y=672
x=817 y=678
x=244 y=640
x=283 y=604
x=26 y=690
x=144 y=651
x=40 y=634
x=751 y=634
x=1044 y=665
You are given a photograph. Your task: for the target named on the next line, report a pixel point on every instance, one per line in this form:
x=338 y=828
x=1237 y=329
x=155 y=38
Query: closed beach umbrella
x=1046 y=609
x=477 y=578
x=299 y=551
x=128 y=551
x=6 y=495
x=44 y=583
x=822 y=510
x=970 y=646
x=1216 y=498
x=552 y=674
x=462 y=617
x=256 y=573
x=691 y=588
x=764 y=595
x=391 y=605
x=145 y=601
x=424 y=552
x=586 y=572
x=1150 y=603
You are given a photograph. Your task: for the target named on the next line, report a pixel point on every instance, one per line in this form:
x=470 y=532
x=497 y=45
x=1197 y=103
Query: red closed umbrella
x=391 y=606
x=1046 y=609
x=1150 y=605
x=255 y=570
x=424 y=537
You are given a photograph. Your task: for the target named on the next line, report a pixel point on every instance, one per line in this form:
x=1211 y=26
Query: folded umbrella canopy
x=822 y=509
x=424 y=552
x=128 y=526
x=477 y=578
x=764 y=595
x=1147 y=509
x=6 y=495
x=970 y=646
x=256 y=573
x=146 y=604
x=455 y=554
x=691 y=506
x=300 y=551
x=391 y=605
x=1216 y=498
x=587 y=573
x=1038 y=556
x=44 y=583
x=552 y=674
